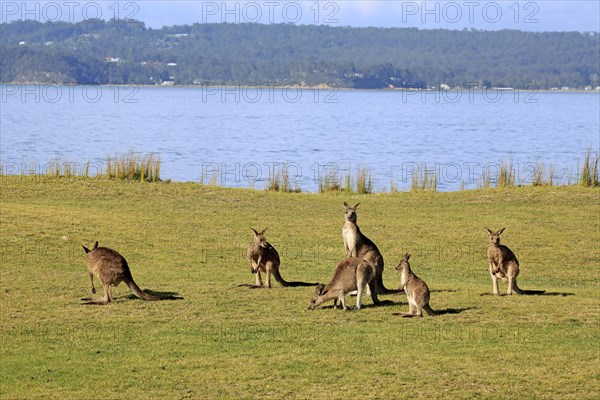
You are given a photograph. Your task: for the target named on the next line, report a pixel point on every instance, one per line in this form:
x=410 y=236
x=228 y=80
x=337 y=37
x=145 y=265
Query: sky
x=545 y=15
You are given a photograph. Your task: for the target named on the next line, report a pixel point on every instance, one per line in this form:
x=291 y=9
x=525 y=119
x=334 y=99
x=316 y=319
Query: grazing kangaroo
x=264 y=258
x=416 y=290
x=350 y=274
x=358 y=245
x=503 y=263
x=112 y=269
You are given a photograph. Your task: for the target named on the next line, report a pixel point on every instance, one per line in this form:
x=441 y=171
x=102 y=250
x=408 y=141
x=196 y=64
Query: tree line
x=128 y=52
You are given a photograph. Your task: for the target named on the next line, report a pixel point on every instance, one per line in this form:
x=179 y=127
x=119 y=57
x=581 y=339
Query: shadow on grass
x=383 y=303
x=453 y=310
x=440 y=312
x=250 y=286
x=443 y=291
x=533 y=293
x=162 y=295
x=294 y=285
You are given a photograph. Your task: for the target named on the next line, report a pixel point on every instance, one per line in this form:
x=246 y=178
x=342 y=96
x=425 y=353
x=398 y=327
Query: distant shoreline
x=309 y=87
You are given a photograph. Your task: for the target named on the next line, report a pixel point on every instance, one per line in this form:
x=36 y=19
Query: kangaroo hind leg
x=92 y=281
x=513 y=271
x=107 y=296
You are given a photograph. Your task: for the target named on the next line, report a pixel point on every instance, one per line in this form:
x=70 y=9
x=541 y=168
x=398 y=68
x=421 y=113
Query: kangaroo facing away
x=350 y=274
x=358 y=245
x=264 y=258
x=416 y=290
x=503 y=263
x=112 y=269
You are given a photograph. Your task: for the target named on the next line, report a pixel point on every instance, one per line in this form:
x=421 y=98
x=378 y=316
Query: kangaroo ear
x=255 y=232
x=489 y=231
x=406 y=256
x=356 y=205
x=263 y=231
x=346 y=206
x=96 y=245
x=501 y=230
x=85 y=249
x=319 y=289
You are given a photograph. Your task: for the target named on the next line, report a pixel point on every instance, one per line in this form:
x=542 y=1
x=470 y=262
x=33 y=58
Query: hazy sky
x=547 y=15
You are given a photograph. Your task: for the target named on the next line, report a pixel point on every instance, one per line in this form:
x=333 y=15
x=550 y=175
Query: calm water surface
x=242 y=135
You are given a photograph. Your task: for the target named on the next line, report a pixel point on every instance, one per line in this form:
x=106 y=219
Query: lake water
x=242 y=135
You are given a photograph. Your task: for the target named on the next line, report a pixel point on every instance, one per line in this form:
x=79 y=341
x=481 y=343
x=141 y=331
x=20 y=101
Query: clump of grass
x=65 y=169
x=364 y=181
x=589 y=170
x=538 y=174
x=330 y=183
x=422 y=180
x=131 y=166
x=333 y=183
x=280 y=182
x=348 y=187
x=540 y=178
x=86 y=169
x=506 y=175
x=551 y=175
x=204 y=180
x=393 y=185
x=486 y=179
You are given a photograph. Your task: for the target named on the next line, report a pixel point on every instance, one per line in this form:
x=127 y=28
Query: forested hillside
x=114 y=52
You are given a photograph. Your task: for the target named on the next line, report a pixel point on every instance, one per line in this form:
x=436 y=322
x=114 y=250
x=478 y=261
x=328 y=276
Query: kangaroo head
x=259 y=238
x=316 y=299
x=350 y=212
x=404 y=262
x=88 y=250
x=495 y=236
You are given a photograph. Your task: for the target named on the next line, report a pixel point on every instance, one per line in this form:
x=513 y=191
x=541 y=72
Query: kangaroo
x=416 y=290
x=112 y=269
x=264 y=258
x=350 y=274
x=358 y=245
x=503 y=263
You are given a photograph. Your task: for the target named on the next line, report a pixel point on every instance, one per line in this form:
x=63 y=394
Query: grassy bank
x=225 y=341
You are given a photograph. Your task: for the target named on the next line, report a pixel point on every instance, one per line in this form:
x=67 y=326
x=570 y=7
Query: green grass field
x=225 y=341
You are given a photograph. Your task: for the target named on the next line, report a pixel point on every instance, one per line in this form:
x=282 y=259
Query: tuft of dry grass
x=423 y=180
x=589 y=170
x=133 y=166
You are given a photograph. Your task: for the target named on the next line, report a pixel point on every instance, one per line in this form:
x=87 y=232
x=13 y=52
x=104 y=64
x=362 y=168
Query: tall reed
x=132 y=166
x=364 y=181
x=589 y=170
x=423 y=179
x=506 y=174
x=280 y=182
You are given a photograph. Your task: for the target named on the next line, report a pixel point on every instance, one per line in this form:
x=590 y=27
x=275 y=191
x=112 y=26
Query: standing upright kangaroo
x=350 y=274
x=264 y=258
x=503 y=263
x=112 y=269
x=358 y=245
x=416 y=290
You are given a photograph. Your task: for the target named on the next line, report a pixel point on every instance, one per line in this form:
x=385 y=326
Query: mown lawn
x=225 y=341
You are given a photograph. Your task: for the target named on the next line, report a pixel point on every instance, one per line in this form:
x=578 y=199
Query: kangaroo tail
x=285 y=283
x=139 y=292
x=382 y=289
x=429 y=310
x=516 y=288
